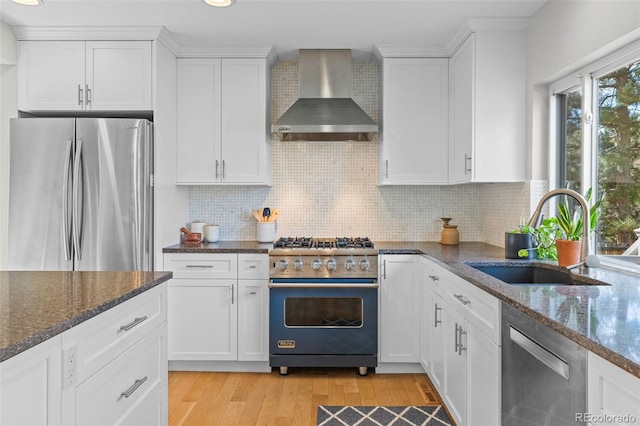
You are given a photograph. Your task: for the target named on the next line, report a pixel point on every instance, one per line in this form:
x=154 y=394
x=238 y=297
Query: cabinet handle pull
x=223 y=169
x=434 y=277
x=455 y=349
x=233 y=287
x=435 y=315
x=217 y=169
x=461 y=299
x=80 y=97
x=134 y=387
x=199 y=266
x=384 y=269
x=134 y=323
x=86 y=86
x=252 y=267
x=467 y=163
x=252 y=293
x=461 y=347
x=386 y=169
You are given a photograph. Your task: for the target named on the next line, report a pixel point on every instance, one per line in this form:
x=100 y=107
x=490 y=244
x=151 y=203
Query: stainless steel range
x=323 y=303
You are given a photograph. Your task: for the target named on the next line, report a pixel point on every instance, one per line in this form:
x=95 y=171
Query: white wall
x=8 y=110
x=564 y=35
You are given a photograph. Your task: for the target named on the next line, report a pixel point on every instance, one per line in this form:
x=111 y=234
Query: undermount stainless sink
x=532 y=274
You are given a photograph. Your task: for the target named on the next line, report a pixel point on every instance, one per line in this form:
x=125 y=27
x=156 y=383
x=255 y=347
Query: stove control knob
x=297 y=264
x=282 y=264
x=350 y=265
x=332 y=265
x=316 y=264
x=365 y=265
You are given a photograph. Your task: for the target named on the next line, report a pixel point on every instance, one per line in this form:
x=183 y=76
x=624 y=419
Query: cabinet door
x=244 y=134
x=611 y=392
x=455 y=369
x=51 y=75
x=400 y=309
x=203 y=319
x=30 y=385
x=484 y=378
x=415 y=111
x=118 y=76
x=427 y=317
x=253 y=320
x=461 y=119
x=438 y=346
x=198 y=121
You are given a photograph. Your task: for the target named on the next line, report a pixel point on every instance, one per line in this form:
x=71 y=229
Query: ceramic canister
x=198 y=226
x=212 y=233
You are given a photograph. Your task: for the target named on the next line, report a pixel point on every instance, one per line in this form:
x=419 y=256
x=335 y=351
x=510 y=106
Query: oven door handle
x=318 y=285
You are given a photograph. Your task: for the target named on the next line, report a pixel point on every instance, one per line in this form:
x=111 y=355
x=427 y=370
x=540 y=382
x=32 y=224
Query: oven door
x=323 y=319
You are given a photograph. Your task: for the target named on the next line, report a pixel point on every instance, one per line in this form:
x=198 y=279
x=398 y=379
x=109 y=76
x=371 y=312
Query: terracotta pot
x=568 y=252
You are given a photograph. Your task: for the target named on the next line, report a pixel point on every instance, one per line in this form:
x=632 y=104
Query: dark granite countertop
x=603 y=319
x=220 y=247
x=38 y=305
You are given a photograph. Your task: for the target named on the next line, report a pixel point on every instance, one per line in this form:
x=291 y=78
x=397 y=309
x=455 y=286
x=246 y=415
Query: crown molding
x=472 y=25
x=381 y=51
x=89 y=33
x=187 y=51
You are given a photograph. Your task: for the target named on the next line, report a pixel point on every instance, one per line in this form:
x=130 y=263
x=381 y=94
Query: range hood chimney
x=325 y=110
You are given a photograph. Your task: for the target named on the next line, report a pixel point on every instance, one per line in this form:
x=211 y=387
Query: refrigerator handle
x=65 y=202
x=78 y=205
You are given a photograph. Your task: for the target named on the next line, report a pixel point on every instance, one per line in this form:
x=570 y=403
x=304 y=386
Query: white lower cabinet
x=114 y=366
x=203 y=319
x=400 y=303
x=463 y=359
x=30 y=386
x=613 y=395
x=218 y=307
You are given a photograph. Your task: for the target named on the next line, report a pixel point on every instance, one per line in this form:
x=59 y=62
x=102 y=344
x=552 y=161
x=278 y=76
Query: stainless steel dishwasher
x=543 y=373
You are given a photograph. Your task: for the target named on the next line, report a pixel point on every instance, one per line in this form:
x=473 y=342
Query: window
x=597 y=140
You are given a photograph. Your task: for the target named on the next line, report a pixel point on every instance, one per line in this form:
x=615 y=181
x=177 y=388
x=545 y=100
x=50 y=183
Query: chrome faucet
x=585 y=248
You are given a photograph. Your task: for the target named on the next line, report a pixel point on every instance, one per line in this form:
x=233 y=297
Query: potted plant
x=544 y=237
x=570 y=229
x=560 y=237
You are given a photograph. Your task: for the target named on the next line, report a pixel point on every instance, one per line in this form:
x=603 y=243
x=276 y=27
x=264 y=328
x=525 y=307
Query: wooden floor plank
x=269 y=399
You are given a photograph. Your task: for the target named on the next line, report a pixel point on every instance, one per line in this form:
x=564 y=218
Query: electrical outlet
x=69 y=367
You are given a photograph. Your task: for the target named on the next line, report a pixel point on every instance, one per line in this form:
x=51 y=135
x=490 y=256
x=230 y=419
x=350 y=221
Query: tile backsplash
x=330 y=188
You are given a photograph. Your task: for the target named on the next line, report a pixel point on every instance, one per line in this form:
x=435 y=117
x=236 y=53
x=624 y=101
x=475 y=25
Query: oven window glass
x=323 y=312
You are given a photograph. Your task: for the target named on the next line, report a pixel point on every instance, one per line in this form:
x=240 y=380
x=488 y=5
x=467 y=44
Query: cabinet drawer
x=112 y=393
x=253 y=266
x=479 y=307
x=101 y=339
x=195 y=265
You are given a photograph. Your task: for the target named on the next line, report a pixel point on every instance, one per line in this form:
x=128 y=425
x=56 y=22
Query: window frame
x=585 y=79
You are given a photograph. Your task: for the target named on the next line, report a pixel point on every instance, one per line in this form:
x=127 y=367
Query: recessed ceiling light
x=29 y=2
x=220 y=3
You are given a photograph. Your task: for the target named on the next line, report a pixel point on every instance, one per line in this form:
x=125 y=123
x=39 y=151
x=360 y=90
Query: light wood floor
x=203 y=398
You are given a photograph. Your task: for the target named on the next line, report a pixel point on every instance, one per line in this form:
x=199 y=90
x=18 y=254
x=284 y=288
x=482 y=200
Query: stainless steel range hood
x=325 y=110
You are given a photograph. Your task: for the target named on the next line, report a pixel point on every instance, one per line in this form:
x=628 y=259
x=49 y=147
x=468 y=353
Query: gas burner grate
x=323 y=243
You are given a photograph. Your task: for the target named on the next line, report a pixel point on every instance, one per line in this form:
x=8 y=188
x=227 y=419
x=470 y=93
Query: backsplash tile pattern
x=330 y=188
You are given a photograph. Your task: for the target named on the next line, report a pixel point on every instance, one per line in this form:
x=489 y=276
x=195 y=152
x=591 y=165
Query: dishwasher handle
x=542 y=354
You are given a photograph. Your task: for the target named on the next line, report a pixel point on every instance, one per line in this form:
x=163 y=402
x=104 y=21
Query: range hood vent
x=325 y=110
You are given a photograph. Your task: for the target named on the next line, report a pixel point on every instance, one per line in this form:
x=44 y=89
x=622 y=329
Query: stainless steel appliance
x=81 y=194
x=323 y=301
x=543 y=374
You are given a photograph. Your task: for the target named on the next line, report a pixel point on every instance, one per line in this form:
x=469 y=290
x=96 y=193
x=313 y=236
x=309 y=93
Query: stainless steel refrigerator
x=81 y=194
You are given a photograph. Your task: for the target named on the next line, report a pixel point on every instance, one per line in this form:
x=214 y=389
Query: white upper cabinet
x=85 y=76
x=223 y=133
x=487 y=110
x=414 y=121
